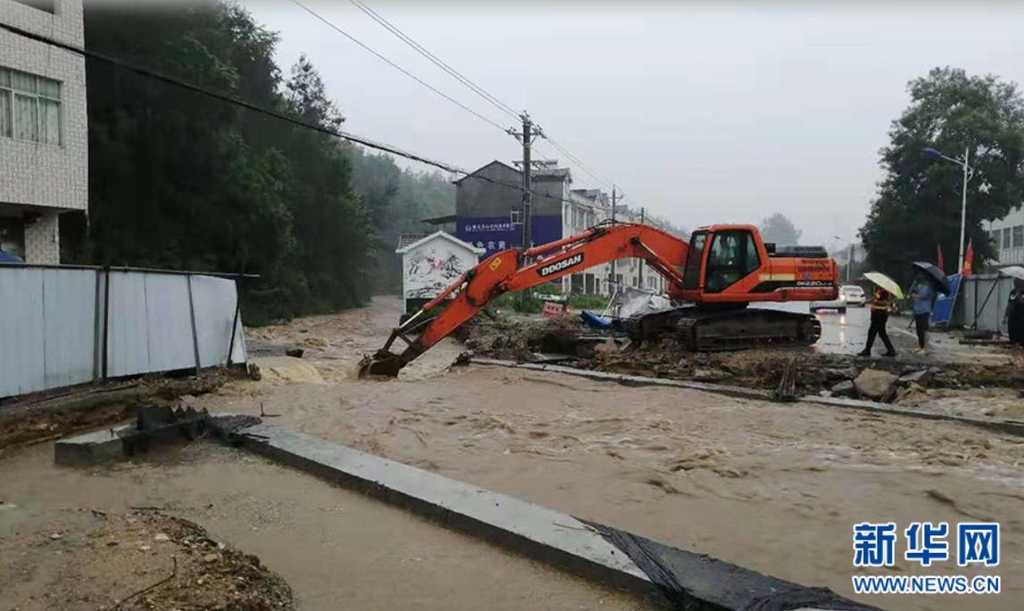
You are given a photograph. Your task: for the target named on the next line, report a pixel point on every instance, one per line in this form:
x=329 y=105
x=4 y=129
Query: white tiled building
x=1008 y=238
x=43 y=126
x=586 y=208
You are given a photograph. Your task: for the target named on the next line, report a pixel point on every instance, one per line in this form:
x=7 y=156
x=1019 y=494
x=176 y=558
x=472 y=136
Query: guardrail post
x=106 y=322
x=192 y=316
x=234 y=323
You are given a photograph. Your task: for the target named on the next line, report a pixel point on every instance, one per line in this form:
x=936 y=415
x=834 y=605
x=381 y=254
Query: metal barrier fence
x=61 y=326
x=983 y=304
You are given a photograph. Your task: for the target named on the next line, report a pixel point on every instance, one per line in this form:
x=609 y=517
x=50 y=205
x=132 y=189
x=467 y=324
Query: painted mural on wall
x=430 y=268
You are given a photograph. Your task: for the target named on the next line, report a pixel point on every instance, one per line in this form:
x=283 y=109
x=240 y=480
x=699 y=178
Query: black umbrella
x=935 y=275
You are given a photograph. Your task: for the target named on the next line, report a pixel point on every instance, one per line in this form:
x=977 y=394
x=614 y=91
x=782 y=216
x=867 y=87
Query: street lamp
x=968 y=174
x=849 y=261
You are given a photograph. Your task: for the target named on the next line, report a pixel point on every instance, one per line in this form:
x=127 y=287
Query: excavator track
x=714 y=330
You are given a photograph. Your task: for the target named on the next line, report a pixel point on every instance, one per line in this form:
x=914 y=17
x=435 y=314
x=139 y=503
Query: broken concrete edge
x=125 y=440
x=740 y=392
x=531 y=530
x=1013 y=428
x=91 y=448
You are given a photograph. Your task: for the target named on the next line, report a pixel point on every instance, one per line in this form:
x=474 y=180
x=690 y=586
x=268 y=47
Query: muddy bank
x=90 y=559
x=56 y=414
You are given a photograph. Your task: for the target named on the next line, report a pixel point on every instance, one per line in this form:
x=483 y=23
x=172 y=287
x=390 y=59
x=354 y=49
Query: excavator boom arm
x=515 y=270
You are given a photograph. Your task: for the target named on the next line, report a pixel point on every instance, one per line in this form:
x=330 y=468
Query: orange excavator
x=722 y=270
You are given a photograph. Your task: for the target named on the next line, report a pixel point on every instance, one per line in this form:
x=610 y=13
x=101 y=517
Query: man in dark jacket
x=880 y=304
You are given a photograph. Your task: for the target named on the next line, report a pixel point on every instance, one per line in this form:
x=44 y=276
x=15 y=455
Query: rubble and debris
x=53 y=415
x=874 y=383
x=845 y=389
x=920 y=377
x=786 y=390
x=520 y=338
x=101 y=570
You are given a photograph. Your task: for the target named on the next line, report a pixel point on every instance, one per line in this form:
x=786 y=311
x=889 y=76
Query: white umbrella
x=887 y=283
x=1014 y=271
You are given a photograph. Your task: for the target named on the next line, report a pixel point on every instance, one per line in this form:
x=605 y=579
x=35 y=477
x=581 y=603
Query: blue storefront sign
x=499 y=233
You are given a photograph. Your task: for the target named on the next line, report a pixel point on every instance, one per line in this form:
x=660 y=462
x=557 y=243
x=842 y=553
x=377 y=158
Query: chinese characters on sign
x=478 y=227
x=977 y=543
x=490 y=245
x=874 y=545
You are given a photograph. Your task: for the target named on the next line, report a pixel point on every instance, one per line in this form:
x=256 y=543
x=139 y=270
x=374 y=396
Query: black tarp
x=696 y=582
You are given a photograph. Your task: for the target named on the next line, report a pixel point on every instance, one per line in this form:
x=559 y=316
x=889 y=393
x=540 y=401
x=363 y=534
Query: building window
x=1018 y=236
x=1006 y=237
x=29 y=107
x=516 y=216
x=12 y=236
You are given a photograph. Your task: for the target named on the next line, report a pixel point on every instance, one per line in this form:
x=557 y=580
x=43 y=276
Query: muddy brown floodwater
x=773 y=487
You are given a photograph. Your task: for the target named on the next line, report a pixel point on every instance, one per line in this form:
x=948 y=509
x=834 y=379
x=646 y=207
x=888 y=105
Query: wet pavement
x=846 y=333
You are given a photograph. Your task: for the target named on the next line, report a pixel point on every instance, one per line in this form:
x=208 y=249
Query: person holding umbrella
x=928 y=280
x=923 y=294
x=886 y=289
x=1014 y=316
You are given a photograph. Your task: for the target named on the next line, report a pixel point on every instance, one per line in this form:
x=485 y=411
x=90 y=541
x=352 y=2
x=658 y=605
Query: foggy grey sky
x=700 y=114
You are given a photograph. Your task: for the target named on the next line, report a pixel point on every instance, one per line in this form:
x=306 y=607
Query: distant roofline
x=484 y=167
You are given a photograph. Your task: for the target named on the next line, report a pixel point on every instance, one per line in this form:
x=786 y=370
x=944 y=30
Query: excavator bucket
x=383 y=364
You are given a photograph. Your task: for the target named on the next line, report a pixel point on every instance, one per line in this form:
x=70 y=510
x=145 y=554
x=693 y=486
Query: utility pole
x=963 y=206
x=849 y=264
x=643 y=284
x=526 y=138
x=614 y=282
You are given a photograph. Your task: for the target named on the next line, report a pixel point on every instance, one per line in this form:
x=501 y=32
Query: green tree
x=184 y=181
x=778 y=229
x=919 y=199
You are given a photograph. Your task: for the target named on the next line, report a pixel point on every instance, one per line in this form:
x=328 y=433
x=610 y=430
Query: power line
x=382 y=21
x=232 y=100
x=396 y=66
x=347 y=136
x=434 y=59
x=573 y=159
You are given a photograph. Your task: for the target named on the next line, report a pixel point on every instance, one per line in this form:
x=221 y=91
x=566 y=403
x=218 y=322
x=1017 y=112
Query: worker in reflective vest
x=880 y=304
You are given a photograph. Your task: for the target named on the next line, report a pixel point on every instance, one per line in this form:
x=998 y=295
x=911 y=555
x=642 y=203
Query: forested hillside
x=181 y=180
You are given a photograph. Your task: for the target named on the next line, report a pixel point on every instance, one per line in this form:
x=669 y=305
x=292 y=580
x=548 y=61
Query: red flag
x=941 y=263
x=968 y=259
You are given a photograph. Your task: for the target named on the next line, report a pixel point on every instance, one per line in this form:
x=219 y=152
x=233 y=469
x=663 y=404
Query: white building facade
x=44 y=148
x=1007 y=236
x=587 y=208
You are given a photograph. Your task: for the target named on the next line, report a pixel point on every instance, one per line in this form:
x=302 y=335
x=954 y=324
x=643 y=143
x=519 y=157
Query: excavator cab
x=732 y=265
x=719 y=259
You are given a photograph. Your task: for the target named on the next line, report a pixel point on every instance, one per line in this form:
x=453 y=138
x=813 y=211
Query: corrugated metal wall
x=52 y=330
x=984 y=301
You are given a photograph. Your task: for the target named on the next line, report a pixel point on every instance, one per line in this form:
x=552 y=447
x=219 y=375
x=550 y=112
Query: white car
x=854 y=295
x=849 y=296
